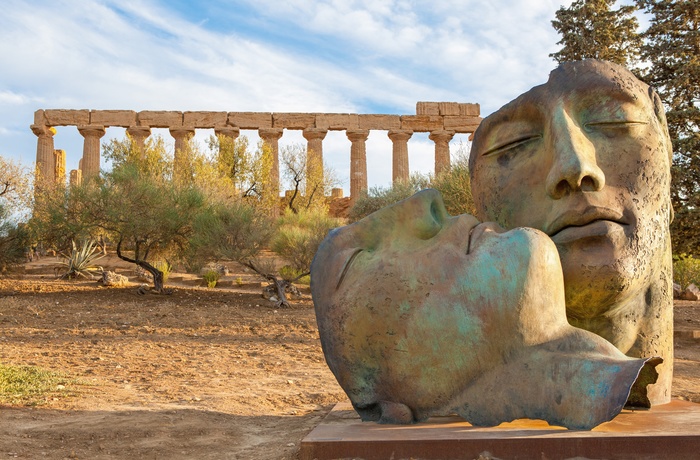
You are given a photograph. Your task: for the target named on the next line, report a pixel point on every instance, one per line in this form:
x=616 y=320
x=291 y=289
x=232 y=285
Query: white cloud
x=297 y=55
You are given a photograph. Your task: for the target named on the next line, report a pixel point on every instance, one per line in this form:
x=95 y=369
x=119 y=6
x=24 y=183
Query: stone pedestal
x=669 y=431
x=91 y=149
x=442 y=140
x=399 y=139
x=358 y=161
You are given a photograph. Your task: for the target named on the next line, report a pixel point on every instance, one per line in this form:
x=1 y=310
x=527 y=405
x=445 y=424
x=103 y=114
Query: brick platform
x=670 y=431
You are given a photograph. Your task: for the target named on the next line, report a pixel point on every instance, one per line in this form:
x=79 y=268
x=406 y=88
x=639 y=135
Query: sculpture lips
x=593 y=221
x=477 y=231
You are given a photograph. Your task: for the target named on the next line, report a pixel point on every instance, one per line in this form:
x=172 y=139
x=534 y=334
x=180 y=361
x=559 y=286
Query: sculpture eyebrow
x=347 y=265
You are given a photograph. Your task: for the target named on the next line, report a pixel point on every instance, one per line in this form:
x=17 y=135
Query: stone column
x=59 y=167
x=358 y=161
x=231 y=132
x=442 y=140
x=76 y=177
x=314 y=151
x=44 y=153
x=138 y=135
x=399 y=138
x=91 y=149
x=271 y=137
x=181 y=159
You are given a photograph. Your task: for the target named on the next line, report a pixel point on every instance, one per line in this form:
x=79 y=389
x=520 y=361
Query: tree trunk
x=158 y=287
x=280 y=285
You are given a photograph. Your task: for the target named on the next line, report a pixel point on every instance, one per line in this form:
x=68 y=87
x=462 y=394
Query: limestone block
x=421 y=123
x=467 y=109
x=427 y=108
x=461 y=124
x=62 y=117
x=123 y=118
x=159 y=118
x=677 y=291
x=337 y=121
x=250 y=120
x=39 y=118
x=110 y=278
x=375 y=121
x=449 y=108
x=294 y=120
x=692 y=292
x=205 y=119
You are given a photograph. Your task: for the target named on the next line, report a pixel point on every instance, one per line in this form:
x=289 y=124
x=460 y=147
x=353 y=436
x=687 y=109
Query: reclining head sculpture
x=421 y=313
x=585 y=158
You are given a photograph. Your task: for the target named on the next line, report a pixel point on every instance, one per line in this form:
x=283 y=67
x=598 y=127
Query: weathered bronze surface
x=422 y=313
x=585 y=158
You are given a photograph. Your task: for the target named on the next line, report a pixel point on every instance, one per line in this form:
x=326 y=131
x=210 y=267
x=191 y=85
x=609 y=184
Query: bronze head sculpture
x=585 y=158
x=422 y=313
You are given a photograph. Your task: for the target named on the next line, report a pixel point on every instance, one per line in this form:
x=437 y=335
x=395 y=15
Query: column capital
x=355 y=135
x=43 y=130
x=398 y=135
x=181 y=131
x=441 y=135
x=228 y=131
x=91 y=130
x=138 y=131
x=270 y=134
x=314 y=133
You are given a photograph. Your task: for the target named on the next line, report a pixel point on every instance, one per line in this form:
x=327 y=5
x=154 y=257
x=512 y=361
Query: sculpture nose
x=574 y=166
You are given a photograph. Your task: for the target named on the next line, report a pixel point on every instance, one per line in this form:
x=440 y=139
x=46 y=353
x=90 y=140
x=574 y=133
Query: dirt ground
x=203 y=373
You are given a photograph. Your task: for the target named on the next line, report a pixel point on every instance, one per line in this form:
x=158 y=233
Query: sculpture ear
x=661 y=116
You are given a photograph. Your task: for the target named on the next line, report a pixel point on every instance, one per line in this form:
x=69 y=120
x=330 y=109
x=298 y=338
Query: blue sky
x=364 y=56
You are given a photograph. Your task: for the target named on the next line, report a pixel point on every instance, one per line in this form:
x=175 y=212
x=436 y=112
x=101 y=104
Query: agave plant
x=81 y=261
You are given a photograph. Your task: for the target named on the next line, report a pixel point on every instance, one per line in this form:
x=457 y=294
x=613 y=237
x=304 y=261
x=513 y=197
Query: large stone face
x=585 y=158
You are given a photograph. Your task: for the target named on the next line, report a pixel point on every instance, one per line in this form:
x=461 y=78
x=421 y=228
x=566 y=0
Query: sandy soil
x=203 y=373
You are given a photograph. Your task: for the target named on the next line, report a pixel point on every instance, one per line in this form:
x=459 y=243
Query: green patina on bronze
x=585 y=158
x=422 y=313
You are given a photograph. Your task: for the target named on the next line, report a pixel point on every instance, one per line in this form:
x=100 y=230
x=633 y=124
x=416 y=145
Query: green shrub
x=453 y=184
x=165 y=267
x=299 y=235
x=290 y=273
x=14 y=243
x=211 y=277
x=81 y=260
x=686 y=270
x=379 y=197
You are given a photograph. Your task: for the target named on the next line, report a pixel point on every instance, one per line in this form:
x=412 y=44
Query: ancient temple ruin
x=441 y=119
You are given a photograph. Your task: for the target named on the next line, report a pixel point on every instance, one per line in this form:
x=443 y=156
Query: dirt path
x=204 y=373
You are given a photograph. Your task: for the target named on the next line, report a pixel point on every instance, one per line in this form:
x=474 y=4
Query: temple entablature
x=441 y=120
